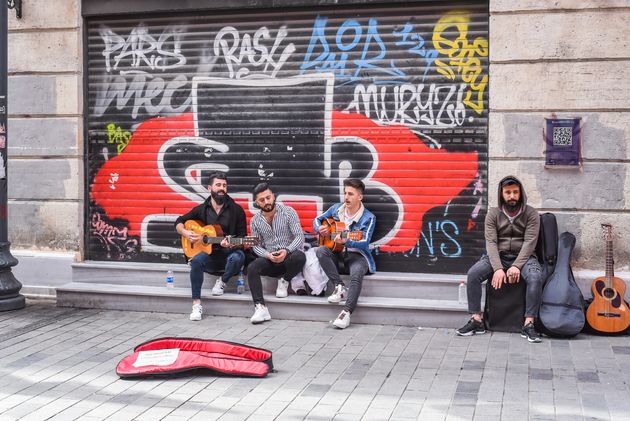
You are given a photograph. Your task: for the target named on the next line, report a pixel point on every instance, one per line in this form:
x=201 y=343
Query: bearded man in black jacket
x=218 y=209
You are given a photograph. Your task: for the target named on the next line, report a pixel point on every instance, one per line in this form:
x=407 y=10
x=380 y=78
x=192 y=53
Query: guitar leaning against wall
x=608 y=313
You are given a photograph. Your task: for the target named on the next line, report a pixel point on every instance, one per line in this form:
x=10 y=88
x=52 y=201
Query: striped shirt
x=284 y=233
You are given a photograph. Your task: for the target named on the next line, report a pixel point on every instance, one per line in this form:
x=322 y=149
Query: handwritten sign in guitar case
x=562 y=305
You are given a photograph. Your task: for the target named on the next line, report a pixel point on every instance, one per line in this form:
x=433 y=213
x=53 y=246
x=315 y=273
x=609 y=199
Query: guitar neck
x=235 y=241
x=342 y=234
x=610 y=270
x=211 y=240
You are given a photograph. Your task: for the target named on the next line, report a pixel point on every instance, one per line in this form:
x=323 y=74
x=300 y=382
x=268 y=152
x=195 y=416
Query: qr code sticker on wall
x=562 y=136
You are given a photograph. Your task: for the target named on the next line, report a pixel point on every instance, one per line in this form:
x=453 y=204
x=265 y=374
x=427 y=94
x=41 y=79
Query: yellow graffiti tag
x=118 y=136
x=450 y=39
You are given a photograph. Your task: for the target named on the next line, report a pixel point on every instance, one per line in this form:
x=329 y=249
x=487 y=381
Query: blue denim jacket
x=366 y=224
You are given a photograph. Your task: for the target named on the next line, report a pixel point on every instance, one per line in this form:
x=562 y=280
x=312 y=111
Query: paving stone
x=64 y=369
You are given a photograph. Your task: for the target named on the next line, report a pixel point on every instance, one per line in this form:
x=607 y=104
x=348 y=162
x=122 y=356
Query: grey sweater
x=518 y=237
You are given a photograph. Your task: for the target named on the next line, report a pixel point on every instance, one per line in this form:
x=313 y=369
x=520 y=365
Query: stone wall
x=45 y=126
x=564 y=59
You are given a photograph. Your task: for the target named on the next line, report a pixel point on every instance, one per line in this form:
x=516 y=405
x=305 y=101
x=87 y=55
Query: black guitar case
x=562 y=306
x=547 y=245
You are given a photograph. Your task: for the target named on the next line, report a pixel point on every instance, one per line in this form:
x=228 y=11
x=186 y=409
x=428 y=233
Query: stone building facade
x=561 y=59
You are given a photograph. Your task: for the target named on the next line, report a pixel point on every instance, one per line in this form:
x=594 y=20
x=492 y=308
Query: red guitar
x=608 y=313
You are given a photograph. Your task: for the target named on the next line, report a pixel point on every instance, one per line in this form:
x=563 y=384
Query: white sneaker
x=338 y=294
x=196 y=313
x=343 y=320
x=261 y=314
x=283 y=288
x=218 y=288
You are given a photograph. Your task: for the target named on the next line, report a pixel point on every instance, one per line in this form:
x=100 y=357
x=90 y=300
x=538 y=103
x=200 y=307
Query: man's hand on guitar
x=498 y=279
x=322 y=230
x=226 y=243
x=340 y=240
x=192 y=236
x=513 y=275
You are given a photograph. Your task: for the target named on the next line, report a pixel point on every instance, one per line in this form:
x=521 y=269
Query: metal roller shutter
x=396 y=96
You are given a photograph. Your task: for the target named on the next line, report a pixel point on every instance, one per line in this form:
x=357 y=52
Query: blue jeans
x=531 y=274
x=229 y=260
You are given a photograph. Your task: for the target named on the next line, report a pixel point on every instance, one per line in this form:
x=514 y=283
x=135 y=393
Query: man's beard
x=270 y=207
x=512 y=206
x=218 y=199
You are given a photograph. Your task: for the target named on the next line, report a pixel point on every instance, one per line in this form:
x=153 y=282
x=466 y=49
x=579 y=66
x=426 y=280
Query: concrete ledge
x=380 y=284
x=373 y=310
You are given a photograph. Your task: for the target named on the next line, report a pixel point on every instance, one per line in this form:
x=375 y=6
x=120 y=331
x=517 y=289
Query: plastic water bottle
x=240 y=283
x=169 y=279
x=462 y=298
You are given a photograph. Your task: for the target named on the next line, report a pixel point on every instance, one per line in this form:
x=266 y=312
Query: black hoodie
x=518 y=237
x=231 y=217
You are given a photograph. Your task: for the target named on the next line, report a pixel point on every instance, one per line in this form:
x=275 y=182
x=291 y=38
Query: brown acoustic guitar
x=334 y=228
x=608 y=313
x=210 y=234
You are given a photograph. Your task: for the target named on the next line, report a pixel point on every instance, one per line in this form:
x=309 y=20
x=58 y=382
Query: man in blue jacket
x=356 y=255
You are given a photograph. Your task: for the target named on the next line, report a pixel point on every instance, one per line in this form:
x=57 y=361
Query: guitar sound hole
x=608 y=293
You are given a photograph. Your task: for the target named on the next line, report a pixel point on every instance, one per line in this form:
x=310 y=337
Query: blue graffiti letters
x=448 y=248
x=355 y=49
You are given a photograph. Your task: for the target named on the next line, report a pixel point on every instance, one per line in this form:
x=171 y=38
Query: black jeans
x=357 y=267
x=262 y=266
x=482 y=271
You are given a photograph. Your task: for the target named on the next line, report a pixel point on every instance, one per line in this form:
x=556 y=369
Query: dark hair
x=509 y=181
x=355 y=183
x=218 y=174
x=260 y=188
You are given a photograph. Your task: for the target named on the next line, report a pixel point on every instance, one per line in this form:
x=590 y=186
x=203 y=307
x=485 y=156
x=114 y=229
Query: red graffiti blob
x=420 y=177
x=129 y=186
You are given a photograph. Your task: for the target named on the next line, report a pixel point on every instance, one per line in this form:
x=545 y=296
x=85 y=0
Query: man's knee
x=322 y=251
x=197 y=261
x=534 y=277
x=256 y=266
x=298 y=256
x=236 y=257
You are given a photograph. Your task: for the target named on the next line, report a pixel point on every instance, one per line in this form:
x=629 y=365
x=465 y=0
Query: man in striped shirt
x=280 y=250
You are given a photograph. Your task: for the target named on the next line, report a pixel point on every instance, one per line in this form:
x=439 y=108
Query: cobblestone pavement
x=58 y=363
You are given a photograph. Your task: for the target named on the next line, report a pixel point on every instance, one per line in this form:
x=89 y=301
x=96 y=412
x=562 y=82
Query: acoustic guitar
x=334 y=228
x=210 y=234
x=608 y=313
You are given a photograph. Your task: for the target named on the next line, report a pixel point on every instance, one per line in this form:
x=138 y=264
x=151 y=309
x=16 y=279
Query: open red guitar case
x=163 y=356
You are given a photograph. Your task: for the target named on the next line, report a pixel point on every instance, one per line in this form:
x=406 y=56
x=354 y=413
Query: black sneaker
x=473 y=327
x=529 y=332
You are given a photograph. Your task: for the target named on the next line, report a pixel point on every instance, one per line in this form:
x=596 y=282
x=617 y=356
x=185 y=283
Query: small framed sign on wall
x=563 y=143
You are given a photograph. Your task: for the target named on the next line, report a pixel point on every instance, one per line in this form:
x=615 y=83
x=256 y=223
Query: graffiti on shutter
x=303 y=102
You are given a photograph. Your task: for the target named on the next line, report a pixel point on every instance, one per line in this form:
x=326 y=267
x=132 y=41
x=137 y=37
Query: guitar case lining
x=165 y=356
